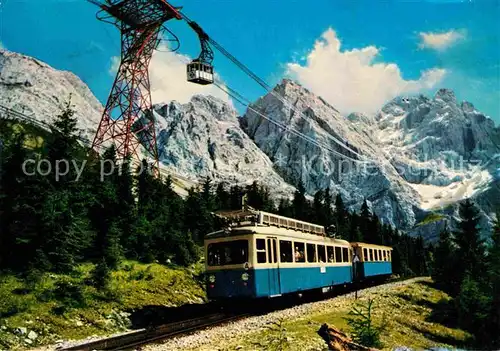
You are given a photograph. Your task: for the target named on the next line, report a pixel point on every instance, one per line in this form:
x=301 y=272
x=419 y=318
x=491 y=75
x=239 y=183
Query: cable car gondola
x=200 y=73
x=200 y=70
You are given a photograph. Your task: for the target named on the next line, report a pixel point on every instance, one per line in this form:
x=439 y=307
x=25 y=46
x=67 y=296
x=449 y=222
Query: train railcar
x=265 y=255
x=371 y=261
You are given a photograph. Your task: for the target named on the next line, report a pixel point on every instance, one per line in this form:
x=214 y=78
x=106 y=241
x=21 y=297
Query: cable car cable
x=266 y=86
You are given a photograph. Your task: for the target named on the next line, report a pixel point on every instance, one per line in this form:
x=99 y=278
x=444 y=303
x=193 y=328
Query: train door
x=357 y=264
x=273 y=272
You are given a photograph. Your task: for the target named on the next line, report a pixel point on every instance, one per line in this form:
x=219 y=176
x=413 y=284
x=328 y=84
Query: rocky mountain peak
x=405 y=161
x=446 y=95
x=34 y=88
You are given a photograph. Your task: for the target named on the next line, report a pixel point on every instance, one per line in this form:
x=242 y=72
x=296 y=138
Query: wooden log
x=339 y=341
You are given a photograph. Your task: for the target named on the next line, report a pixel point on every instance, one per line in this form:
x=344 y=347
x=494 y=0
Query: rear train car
x=266 y=255
x=371 y=261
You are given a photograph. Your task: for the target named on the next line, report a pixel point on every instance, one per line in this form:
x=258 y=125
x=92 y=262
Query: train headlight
x=211 y=278
x=245 y=277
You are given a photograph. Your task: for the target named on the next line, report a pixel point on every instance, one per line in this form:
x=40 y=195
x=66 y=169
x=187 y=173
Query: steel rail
x=149 y=335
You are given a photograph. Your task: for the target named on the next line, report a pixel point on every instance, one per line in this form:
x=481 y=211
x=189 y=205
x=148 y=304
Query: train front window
x=228 y=253
x=260 y=246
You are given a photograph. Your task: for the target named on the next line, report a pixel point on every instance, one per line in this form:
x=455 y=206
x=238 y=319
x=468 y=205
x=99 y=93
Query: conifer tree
x=127 y=214
x=222 y=197
x=299 y=203
x=64 y=232
x=236 y=194
x=444 y=261
x=341 y=216
x=21 y=197
x=285 y=208
x=365 y=218
x=470 y=246
x=494 y=277
x=318 y=208
x=354 y=232
x=104 y=213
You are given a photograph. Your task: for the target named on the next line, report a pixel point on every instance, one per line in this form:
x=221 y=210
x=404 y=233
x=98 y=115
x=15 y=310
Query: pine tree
x=236 y=194
x=299 y=203
x=341 y=216
x=443 y=271
x=127 y=214
x=64 y=232
x=318 y=208
x=222 y=197
x=365 y=218
x=285 y=208
x=494 y=278
x=470 y=246
x=63 y=241
x=104 y=213
x=62 y=147
x=420 y=257
x=473 y=307
x=22 y=196
x=354 y=232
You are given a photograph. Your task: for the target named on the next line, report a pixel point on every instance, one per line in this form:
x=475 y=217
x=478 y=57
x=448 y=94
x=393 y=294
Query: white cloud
x=351 y=81
x=167 y=74
x=440 y=41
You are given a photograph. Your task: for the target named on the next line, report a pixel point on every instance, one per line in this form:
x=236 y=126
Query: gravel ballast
x=219 y=337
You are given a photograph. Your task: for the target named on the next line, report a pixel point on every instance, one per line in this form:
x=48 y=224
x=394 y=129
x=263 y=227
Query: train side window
x=365 y=254
x=345 y=254
x=329 y=253
x=286 y=254
x=321 y=253
x=311 y=253
x=299 y=252
x=385 y=255
x=380 y=255
x=376 y=254
x=372 y=258
x=260 y=245
x=338 y=254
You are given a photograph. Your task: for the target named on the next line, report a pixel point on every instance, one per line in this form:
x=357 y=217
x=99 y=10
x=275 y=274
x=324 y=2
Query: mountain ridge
x=410 y=150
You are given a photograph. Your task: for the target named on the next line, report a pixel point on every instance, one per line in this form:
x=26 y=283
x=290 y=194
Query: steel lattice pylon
x=128 y=120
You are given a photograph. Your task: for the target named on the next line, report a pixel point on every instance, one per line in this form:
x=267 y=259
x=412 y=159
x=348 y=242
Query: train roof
x=373 y=246
x=274 y=231
x=249 y=216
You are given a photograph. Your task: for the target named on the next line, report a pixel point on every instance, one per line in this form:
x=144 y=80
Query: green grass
x=405 y=314
x=86 y=311
x=430 y=218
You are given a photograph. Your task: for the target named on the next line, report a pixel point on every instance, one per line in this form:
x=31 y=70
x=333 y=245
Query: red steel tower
x=128 y=120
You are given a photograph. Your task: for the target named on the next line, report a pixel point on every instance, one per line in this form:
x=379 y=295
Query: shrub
x=363 y=329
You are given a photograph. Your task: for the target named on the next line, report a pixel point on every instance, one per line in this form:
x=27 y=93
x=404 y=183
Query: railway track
x=140 y=337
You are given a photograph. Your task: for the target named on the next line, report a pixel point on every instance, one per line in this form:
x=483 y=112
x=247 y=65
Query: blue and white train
x=261 y=254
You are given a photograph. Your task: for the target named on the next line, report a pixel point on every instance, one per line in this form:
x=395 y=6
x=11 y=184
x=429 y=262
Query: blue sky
x=356 y=54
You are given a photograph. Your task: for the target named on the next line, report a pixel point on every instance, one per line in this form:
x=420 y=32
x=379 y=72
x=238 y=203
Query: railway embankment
x=53 y=309
x=411 y=313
